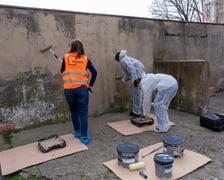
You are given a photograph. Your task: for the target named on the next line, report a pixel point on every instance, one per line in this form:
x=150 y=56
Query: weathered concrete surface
x=31 y=90
x=30 y=83
x=192 y=77
x=87 y=165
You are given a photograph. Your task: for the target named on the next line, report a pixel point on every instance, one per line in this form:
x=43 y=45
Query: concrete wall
x=220 y=11
x=31 y=90
x=192 y=95
x=178 y=41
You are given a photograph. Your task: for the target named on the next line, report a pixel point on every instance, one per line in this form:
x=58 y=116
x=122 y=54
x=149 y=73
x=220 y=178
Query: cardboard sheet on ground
x=181 y=166
x=126 y=128
x=21 y=157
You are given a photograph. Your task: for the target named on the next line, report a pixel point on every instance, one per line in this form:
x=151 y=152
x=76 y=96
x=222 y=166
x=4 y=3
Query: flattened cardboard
x=181 y=166
x=126 y=128
x=21 y=157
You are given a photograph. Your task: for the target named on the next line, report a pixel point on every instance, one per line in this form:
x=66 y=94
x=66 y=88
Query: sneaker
x=135 y=115
x=85 y=140
x=156 y=129
x=77 y=134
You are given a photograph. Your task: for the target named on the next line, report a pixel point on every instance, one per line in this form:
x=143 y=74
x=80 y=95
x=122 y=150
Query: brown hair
x=137 y=82
x=77 y=46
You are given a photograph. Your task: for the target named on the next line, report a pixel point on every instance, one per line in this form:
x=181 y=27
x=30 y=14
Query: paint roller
x=49 y=48
x=136 y=166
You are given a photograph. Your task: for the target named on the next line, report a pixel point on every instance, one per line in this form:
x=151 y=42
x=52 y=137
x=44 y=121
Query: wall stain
x=131 y=25
x=32 y=99
x=66 y=24
x=24 y=20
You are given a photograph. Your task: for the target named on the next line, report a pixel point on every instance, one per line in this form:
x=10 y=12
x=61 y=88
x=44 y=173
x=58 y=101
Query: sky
x=138 y=8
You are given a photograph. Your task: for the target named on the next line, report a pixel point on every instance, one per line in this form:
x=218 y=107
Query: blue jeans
x=161 y=105
x=78 y=101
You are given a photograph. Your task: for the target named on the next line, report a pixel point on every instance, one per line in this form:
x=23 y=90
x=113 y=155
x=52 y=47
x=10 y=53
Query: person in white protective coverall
x=133 y=69
x=163 y=87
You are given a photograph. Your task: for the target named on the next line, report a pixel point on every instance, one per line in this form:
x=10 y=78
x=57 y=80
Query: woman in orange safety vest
x=77 y=83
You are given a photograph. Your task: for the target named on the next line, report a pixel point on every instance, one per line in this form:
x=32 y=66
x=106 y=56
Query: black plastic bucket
x=163 y=165
x=127 y=154
x=173 y=145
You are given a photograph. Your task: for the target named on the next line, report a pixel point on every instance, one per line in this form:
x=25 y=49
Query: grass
x=17 y=176
x=8 y=138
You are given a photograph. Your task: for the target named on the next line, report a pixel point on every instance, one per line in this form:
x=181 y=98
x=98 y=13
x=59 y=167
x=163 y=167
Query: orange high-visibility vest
x=75 y=74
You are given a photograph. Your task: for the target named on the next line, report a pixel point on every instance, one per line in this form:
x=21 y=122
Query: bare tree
x=183 y=10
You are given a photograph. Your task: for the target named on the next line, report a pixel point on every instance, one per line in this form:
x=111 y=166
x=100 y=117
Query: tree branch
x=184 y=10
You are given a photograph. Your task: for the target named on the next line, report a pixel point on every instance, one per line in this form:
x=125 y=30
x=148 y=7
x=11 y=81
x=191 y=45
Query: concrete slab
x=88 y=165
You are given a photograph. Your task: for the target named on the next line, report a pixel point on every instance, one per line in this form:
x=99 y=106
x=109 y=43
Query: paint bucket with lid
x=127 y=154
x=173 y=145
x=163 y=165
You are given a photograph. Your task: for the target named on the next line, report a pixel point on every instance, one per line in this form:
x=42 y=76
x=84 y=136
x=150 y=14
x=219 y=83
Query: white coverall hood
x=123 y=53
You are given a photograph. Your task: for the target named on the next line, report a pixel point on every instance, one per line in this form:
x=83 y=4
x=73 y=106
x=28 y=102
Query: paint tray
x=140 y=122
x=51 y=142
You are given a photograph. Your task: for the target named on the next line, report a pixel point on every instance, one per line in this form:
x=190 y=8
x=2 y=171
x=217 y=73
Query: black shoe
x=135 y=115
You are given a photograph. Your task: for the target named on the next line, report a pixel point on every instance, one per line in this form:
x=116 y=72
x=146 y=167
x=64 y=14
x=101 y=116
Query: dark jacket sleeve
x=63 y=66
x=93 y=71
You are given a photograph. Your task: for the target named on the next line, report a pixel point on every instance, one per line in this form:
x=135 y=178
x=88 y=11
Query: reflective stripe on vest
x=75 y=74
